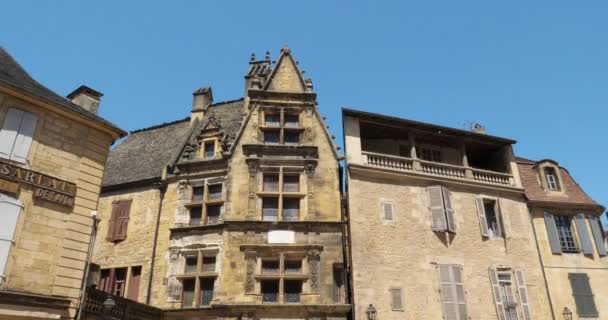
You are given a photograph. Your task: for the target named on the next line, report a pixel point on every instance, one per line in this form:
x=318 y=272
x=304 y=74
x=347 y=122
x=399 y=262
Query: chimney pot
x=201 y=100
x=86 y=98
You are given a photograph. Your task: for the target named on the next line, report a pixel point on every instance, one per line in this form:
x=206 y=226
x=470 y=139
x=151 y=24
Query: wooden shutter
x=23 y=142
x=556 y=247
x=123 y=220
x=500 y=309
x=523 y=294
x=9 y=215
x=501 y=220
x=113 y=221
x=438 y=220
x=583 y=296
x=387 y=211
x=9 y=132
x=583 y=234
x=396 y=302
x=598 y=235
x=133 y=291
x=481 y=212
x=449 y=211
x=452 y=292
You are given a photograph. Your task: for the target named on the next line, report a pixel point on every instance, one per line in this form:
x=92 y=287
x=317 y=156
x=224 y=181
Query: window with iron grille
x=293 y=291
x=270 y=291
x=281 y=127
x=281 y=196
x=206 y=290
x=566 y=233
x=207 y=204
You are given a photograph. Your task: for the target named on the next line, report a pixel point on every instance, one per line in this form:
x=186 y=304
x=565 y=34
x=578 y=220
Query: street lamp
x=371 y=312
x=109 y=304
x=567 y=314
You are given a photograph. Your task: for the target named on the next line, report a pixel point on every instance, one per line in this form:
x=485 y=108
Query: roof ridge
x=158 y=126
x=227 y=101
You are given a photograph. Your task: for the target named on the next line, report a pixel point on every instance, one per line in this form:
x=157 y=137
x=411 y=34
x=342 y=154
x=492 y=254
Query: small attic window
x=552 y=178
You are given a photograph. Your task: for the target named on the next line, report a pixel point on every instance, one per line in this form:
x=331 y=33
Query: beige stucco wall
x=51 y=241
x=404 y=254
x=557 y=267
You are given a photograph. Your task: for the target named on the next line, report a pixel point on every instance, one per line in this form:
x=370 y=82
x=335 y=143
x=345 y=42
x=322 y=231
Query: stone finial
x=286 y=49
x=256 y=82
x=252 y=59
x=267 y=58
x=308 y=84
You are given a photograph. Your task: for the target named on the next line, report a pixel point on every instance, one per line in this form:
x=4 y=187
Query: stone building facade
x=570 y=240
x=52 y=156
x=438 y=223
x=232 y=213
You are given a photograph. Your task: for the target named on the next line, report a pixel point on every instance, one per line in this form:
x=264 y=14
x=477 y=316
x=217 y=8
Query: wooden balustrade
x=386 y=161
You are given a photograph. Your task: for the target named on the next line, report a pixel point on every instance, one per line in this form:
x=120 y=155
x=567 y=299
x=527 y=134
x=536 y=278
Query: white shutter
x=500 y=310
x=523 y=293
x=438 y=220
x=483 y=223
x=24 y=138
x=452 y=292
x=501 y=220
x=449 y=210
x=10 y=128
x=9 y=214
x=387 y=211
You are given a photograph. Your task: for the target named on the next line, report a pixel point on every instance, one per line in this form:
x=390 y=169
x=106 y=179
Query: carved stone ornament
x=310 y=167
x=251 y=263
x=182 y=190
x=314 y=256
x=254 y=166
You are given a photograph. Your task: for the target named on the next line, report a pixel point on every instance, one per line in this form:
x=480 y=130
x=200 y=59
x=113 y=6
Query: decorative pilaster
x=174 y=286
x=182 y=214
x=314 y=256
x=251 y=264
x=254 y=167
x=310 y=168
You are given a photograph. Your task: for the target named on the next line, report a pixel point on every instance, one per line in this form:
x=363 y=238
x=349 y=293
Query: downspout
x=542 y=265
x=87 y=263
x=162 y=188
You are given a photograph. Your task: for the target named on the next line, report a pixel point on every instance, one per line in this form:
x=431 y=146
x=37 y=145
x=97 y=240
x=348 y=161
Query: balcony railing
x=436 y=169
x=123 y=309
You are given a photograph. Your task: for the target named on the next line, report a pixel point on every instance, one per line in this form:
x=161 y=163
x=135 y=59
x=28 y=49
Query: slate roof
x=573 y=194
x=12 y=74
x=145 y=152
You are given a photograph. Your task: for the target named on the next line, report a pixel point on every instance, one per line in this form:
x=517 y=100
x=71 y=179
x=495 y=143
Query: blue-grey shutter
x=556 y=247
x=481 y=212
x=9 y=131
x=583 y=296
x=523 y=293
x=9 y=214
x=449 y=210
x=500 y=310
x=597 y=235
x=438 y=220
x=583 y=234
x=21 y=149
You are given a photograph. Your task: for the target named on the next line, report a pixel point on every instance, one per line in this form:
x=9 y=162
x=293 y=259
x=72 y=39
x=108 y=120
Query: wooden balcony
x=385 y=161
x=123 y=309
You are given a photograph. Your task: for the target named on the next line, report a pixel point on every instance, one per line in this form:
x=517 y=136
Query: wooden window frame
x=206 y=202
x=281 y=195
x=282 y=275
x=110 y=283
x=200 y=275
x=283 y=128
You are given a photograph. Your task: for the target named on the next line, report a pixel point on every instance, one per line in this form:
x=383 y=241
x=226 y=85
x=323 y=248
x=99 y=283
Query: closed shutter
x=113 y=221
x=556 y=247
x=501 y=220
x=583 y=296
x=133 y=291
x=387 y=211
x=24 y=138
x=598 y=235
x=583 y=234
x=449 y=210
x=123 y=220
x=452 y=292
x=9 y=215
x=481 y=212
x=500 y=310
x=438 y=221
x=523 y=293
x=9 y=132
x=396 y=302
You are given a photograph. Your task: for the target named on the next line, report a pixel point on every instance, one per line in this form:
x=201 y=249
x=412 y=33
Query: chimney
x=478 y=128
x=201 y=100
x=87 y=98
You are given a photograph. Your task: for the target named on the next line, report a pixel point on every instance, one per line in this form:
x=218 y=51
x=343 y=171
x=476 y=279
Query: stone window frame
x=391 y=291
x=282 y=275
x=282 y=128
x=200 y=274
x=206 y=201
x=216 y=151
x=543 y=178
x=281 y=171
x=383 y=202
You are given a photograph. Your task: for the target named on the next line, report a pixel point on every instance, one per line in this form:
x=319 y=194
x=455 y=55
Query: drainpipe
x=542 y=265
x=87 y=263
x=162 y=188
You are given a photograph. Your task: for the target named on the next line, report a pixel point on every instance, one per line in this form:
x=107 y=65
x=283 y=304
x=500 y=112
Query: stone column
x=468 y=172
x=413 y=153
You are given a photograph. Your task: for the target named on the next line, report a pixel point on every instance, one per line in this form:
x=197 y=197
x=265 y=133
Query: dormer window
x=552 y=179
x=209 y=149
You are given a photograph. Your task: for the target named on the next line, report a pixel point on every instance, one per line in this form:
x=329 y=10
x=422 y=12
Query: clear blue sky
x=534 y=71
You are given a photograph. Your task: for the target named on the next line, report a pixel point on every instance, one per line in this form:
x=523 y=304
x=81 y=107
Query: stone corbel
x=251 y=264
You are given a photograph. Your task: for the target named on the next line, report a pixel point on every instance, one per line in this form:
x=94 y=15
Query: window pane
x=291 y=209
x=552 y=181
x=491 y=218
x=291 y=121
x=208 y=264
x=215 y=192
x=566 y=236
x=270 y=208
x=293 y=266
x=209 y=150
x=120 y=282
x=191 y=263
x=197 y=193
x=292 y=138
x=291 y=183
x=293 y=290
x=196 y=214
x=270 y=291
x=272 y=120
x=213 y=213
x=271 y=182
x=188 y=292
x=271 y=136
x=270 y=266
x=207 y=291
